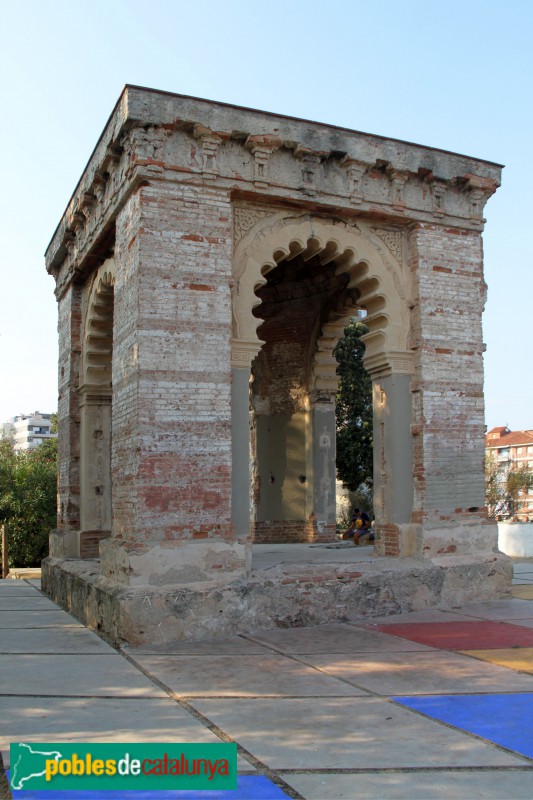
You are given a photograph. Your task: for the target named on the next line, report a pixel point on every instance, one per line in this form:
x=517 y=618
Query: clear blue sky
x=453 y=75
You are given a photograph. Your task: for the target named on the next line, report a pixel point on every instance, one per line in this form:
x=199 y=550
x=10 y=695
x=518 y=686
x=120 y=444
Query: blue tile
x=505 y=719
x=248 y=786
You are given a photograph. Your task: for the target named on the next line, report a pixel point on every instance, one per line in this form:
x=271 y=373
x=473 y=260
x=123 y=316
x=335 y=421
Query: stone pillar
x=324 y=468
x=64 y=542
x=172 y=427
x=393 y=463
x=95 y=470
x=448 y=423
x=242 y=354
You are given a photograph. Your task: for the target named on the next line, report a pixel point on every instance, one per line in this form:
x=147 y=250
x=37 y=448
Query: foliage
x=28 y=481
x=354 y=412
x=504 y=485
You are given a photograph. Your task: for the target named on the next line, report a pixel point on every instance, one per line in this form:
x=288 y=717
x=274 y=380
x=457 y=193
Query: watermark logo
x=42 y=766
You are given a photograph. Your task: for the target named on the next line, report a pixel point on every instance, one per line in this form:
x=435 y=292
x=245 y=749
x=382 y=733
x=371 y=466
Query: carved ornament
x=245 y=219
x=393 y=240
x=262 y=146
x=356 y=171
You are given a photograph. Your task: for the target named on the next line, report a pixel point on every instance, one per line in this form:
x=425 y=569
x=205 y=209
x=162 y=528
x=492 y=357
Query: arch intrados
x=356 y=252
x=98 y=339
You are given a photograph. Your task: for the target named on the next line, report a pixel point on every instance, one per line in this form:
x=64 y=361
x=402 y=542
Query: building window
x=519 y=451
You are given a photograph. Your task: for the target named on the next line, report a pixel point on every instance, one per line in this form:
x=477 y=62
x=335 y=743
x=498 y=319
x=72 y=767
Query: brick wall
x=69 y=330
x=171 y=413
x=291 y=532
x=448 y=403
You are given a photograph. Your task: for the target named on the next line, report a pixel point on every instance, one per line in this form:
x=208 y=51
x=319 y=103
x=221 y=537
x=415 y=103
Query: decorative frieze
x=262 y=146
x=356 y=171
x=210 y=143
x=398 y=180
x=310 y=162
x=438 y=191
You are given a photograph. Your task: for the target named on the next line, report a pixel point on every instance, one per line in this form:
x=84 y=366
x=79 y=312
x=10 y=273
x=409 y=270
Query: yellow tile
x=518 y=658
x=523 y=590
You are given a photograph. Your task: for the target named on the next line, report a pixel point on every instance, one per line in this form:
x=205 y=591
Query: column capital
x=243 y=353
x=391 y=362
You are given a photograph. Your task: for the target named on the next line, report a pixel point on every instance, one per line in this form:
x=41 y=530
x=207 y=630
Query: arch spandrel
x=377 y=283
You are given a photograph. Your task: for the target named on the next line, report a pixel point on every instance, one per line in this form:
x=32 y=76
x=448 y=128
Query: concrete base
x=283 y=595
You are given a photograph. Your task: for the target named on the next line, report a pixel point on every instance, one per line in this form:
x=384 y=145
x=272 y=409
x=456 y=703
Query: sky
x=455 y=75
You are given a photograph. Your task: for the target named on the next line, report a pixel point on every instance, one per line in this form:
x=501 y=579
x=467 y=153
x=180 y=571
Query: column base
x=185 y=563
x=475 y=535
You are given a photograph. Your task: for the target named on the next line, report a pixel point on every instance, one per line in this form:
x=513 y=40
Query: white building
x=29 y=430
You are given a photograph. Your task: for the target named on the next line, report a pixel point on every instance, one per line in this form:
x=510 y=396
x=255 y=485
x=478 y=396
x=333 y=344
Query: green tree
x=353 y=411
x=28 y=490
x=504 y=485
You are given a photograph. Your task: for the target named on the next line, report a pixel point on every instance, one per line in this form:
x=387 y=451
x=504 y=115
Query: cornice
x=293 y=161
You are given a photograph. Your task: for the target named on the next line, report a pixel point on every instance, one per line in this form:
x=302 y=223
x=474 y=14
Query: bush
x=28 y=491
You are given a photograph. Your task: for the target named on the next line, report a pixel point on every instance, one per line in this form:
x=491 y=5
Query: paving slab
x=9 y=588
x=96 y=675
x=268 y=675
x=40 y=618
x=422 y=673
x=506 y=610
x=334 y=639
x=60 y=640
x=500 y=718
x=230 y=646
x=258 y=787
x=17 y=601
x=428 y=615
x=97 y=719
x=520 y=659
x=346 y=733
x=472 y=635
x=523 y=591
x=489 y=784
x=522 y=623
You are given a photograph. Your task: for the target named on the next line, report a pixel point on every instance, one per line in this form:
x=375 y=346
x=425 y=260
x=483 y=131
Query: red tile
x=475 y=635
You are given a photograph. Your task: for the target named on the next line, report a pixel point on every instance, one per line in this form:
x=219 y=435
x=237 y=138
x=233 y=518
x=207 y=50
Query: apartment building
x=513 y=449
x=29 y=430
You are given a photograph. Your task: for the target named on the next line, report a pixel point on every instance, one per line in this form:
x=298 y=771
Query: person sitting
x=359 y=526
x=362 y=526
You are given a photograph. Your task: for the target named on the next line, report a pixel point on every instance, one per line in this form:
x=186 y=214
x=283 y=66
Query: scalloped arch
x=98 y=330
x=375 y=282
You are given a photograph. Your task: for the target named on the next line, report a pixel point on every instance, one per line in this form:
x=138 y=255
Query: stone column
x=242 y=355
x=323 y=478
x=64 y=542
x=95 y=469
x=172 y=436
x=448 y=424
x=393 y=458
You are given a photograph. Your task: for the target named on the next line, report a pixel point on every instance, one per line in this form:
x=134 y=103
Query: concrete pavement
x=432 y=704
